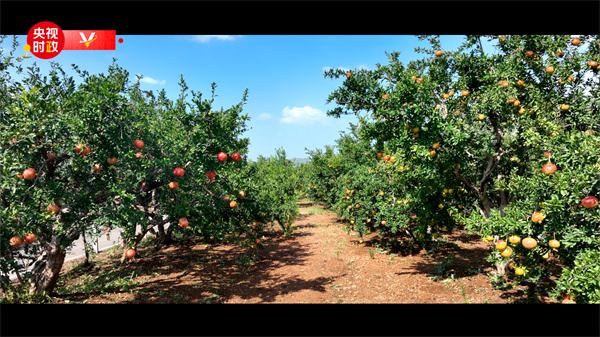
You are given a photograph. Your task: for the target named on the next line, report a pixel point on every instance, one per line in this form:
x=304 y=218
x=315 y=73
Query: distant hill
x=299 y=161
x=296 y=161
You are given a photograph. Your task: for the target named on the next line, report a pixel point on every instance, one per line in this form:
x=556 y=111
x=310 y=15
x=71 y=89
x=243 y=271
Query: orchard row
x=499 y=137
x=101 y=153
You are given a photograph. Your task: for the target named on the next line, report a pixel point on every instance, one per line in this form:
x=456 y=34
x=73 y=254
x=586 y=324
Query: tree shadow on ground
x=452 y=265
x=198 y=273
x=445 y=259
x=303 y=226
x=275 y=232
x=403 y=246
x=301 y=217
x=466 y=237
x=306 y=203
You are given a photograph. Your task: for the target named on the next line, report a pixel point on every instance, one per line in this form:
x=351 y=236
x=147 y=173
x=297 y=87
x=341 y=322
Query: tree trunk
x=47 y=267
x=86 y=250
x=284 y=228
x=486 y=204
x=164 y=237
x=170 y=233
x=503 y=202
x=161 y=231
x=125 y=247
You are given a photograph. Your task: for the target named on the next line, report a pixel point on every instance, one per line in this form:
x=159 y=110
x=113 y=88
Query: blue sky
x=284 y=75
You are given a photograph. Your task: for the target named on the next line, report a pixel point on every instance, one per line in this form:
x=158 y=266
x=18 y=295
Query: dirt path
x=321 y=263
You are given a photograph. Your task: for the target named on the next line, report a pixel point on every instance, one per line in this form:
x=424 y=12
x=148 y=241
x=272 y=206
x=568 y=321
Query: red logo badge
x=45 y=40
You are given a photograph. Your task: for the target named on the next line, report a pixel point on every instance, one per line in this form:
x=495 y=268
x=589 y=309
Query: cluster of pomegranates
x=84 y=150
x=17 y=241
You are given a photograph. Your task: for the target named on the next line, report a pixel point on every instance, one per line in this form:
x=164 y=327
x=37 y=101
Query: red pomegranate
x=130 y=253
x=138 y=143
x=222 y=156
x=211 y=175
x=549 y=168
x=178 y=172
x=29 y=174
x=589 y=202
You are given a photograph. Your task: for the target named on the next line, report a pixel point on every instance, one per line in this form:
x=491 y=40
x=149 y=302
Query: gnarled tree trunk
x=164 y=236
x=47 y=267
x=86 y=250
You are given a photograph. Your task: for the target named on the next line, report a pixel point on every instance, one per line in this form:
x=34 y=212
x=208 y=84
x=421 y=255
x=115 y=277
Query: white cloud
x=302 y=115
x=153 y=81
x=208 y=38
x=264 y=116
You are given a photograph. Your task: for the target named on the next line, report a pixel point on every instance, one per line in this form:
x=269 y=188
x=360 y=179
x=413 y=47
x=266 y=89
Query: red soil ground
x=320 y=263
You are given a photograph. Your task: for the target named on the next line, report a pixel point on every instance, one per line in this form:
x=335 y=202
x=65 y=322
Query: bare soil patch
x=320 y=263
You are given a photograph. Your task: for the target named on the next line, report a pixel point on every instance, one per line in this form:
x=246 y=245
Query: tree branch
x=493 y=161
x=480 y=46
x=486 y=173
x=208 y=191
x=464 y=180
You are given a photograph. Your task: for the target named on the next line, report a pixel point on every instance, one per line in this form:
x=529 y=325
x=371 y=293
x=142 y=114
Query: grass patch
x=21 y=295
x=444 y=269
x=112 y=281
x=210 y=299
x=245 y=261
